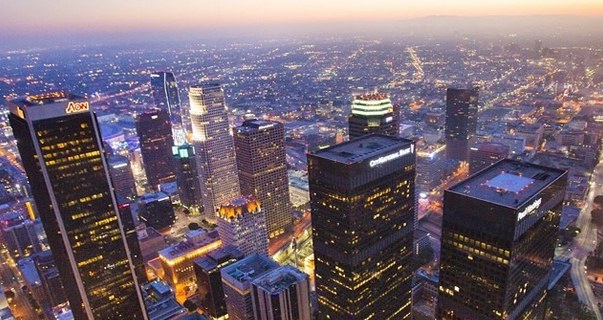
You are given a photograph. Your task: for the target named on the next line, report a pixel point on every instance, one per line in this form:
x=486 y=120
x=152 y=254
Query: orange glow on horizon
x=115 y=15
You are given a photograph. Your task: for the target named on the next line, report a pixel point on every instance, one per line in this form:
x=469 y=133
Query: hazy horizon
x=558 y=29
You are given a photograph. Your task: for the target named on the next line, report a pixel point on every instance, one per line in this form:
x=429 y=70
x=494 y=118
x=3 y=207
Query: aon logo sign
x=73 y=107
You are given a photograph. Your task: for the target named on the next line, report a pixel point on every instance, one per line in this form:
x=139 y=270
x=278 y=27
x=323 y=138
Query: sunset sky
x=65 y=16
x=27 y=23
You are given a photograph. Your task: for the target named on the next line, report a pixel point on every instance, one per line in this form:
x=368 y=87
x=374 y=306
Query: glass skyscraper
x=498 y=241
x=262 y=164
x=362 y=196
x=461 y=121
x=61 y=149
x=373 y=113
x=213 y=143
x=155 y=136
x=165 y=94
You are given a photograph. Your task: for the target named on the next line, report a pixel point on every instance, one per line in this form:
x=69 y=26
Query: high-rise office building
x=165 y=93
x=122 y=177
x=214 y=146
x=50 y=279
x=461 y=121
x=236 y=280
x=362 y=197
x=187 y=176
x=262 y=164
x=486 y=154
x=209 y=280
x=60 y=146
x=155 y=135
x=498 y=241
x=156 y=210
x=283 y=293
x=372 y=113
x=242 y=223
x=130 y=230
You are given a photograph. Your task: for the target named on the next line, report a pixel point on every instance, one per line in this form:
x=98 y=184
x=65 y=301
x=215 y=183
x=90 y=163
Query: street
x=20 y=307
x=586 y=242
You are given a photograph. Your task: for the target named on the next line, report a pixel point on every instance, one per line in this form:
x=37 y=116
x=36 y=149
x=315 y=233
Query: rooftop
x=250 y=268
x=371 y=96
x=364 y=148
x=185 y=247
x=45 y=98
x=280 y=279
x=255 y=125
x=216 y=257
x=239 y=207
x=507 y=183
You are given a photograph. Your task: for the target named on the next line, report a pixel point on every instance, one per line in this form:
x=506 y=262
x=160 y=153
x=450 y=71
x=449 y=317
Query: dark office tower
x=209 y=280
x=187 y=176
x=262 y=164
x=214 y=146
x=129 y=227
x=498 y=240
x=167 y=98
x=362 y=198
x=373 y=113
x=50 y=279
x=155 y=135
x=283 y=293
x=156 y=210
x=461 y=121
x=486 y=154
x=122 y=177
x=60 y=146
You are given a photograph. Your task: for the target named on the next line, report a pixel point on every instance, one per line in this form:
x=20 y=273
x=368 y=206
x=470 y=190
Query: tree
x=597 y=217
x=194 y=226
x=189 y=305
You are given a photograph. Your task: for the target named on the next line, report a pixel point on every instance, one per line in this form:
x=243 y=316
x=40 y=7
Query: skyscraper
x=214 y=146
x=209 y=280
x=122 y=177
x=283 y=293
x=237 y=278
x=486 y=154
x=262 y=164
x=242 y=223
x=372 y=113
x=61 y=150
x=167 y=98
x=461 y=121
x=187 y=176
x=498 y=241
x=362 y=196
x=155 y=135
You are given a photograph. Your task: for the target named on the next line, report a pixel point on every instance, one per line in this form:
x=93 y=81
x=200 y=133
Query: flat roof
x=508 y=183
x=362 y=148
x=249 y=268
x=280 y=279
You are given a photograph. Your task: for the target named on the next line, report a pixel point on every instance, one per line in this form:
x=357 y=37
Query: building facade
x=209 y=280
x=122 y=177
x=61 y=151
x=363 y=213
x=461 y=121
x=155 y=136
x=187 y=176
x=237 y=279
x=498 y=241
x=372 y=113
x=214 y=146
x=282 y=294
x=262 y=165
x=165 y=94
x=486 y=154
x=242 y=224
